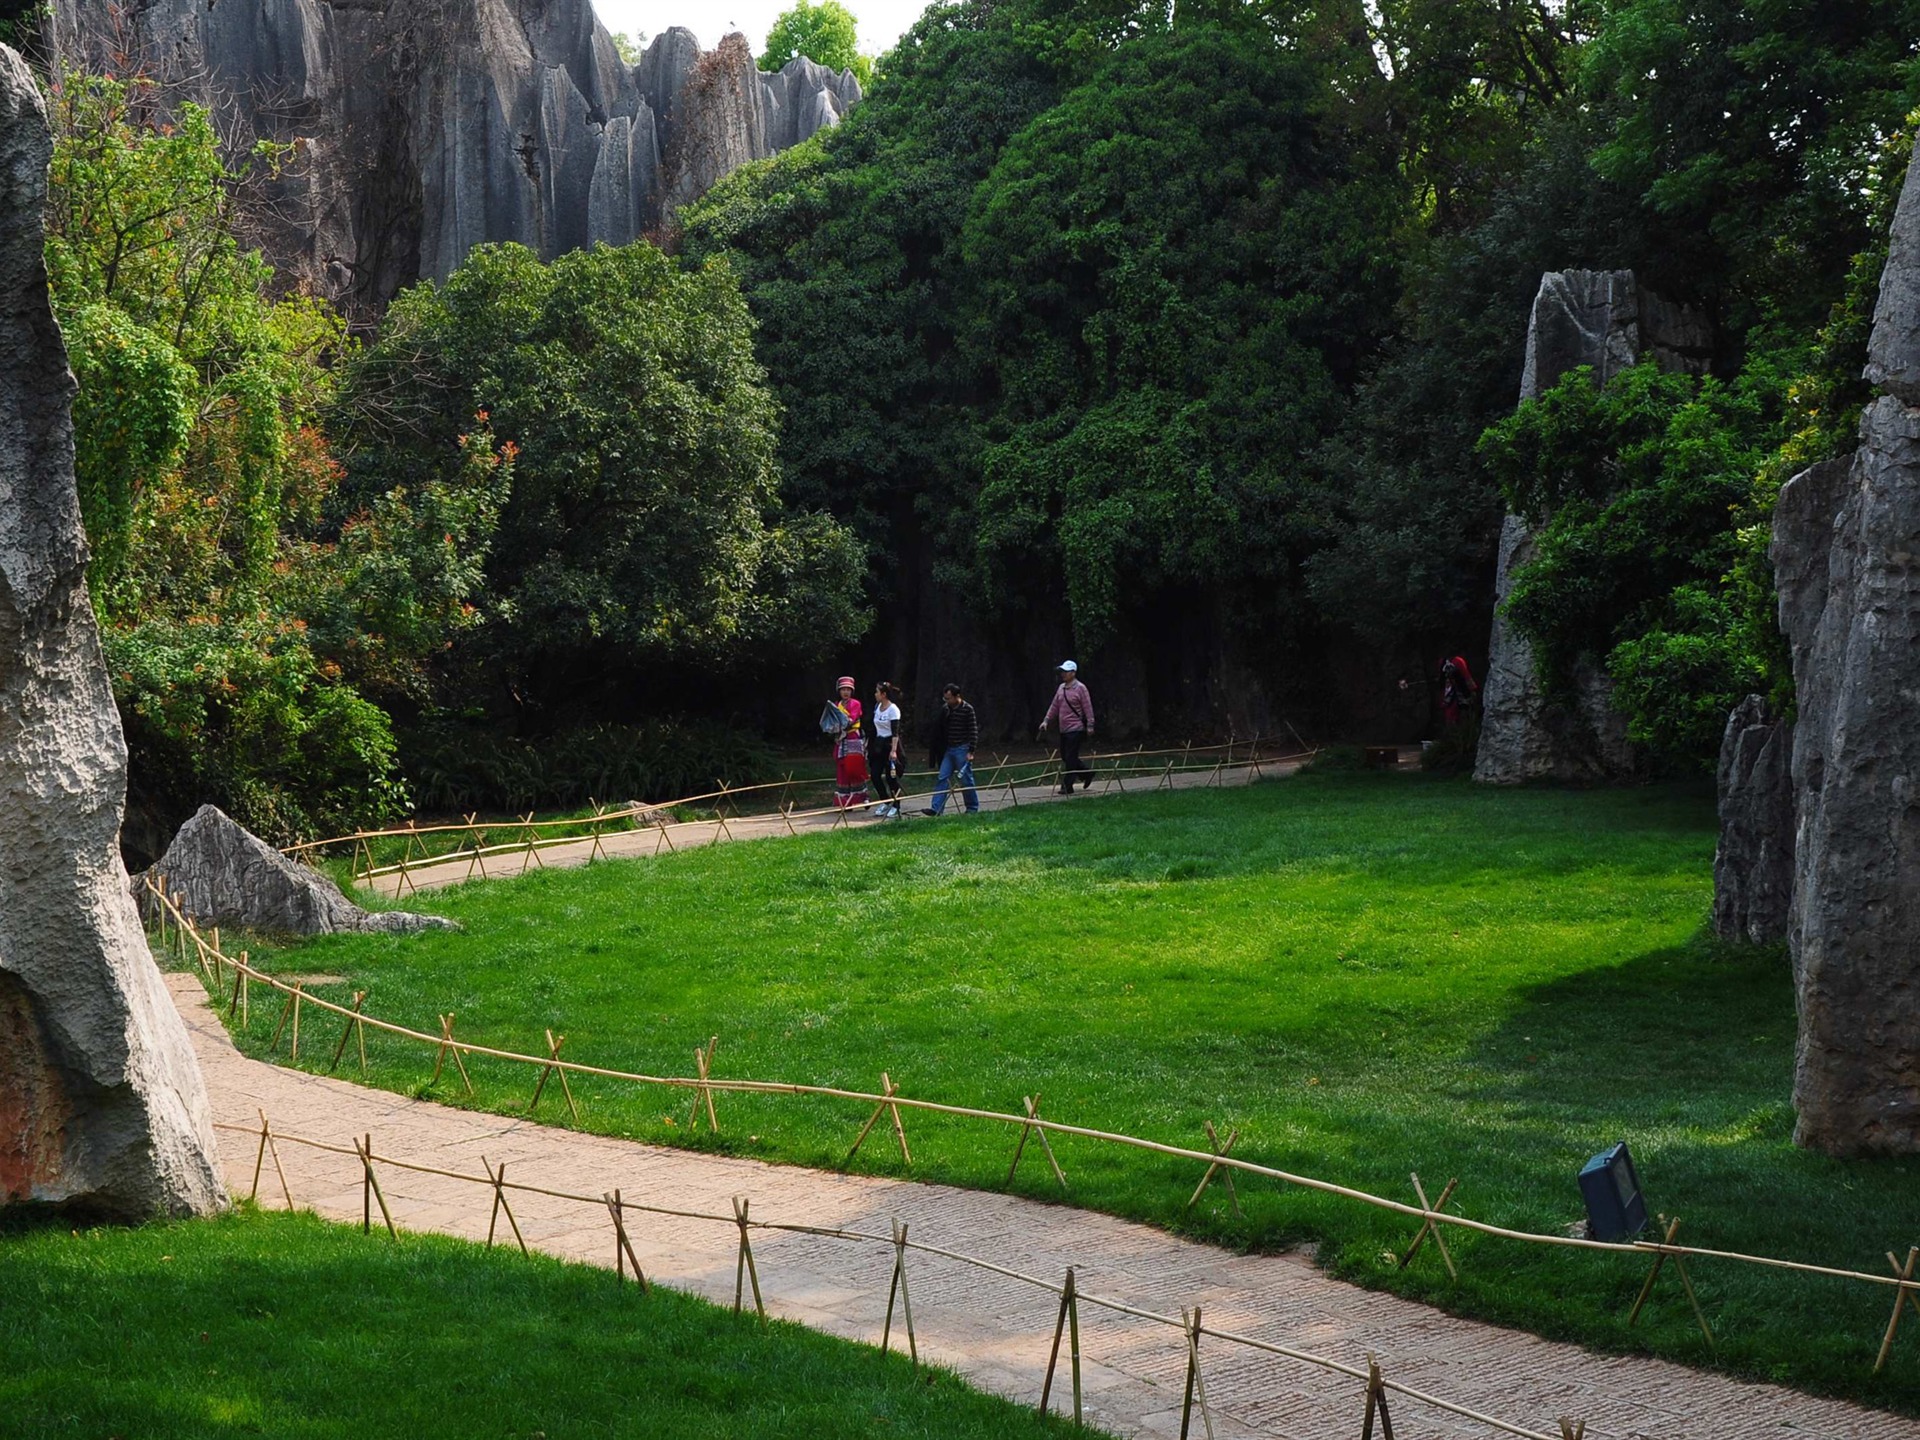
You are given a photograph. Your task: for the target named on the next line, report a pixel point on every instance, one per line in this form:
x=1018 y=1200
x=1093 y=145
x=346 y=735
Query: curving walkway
x=994 y=1331
x=697 y=834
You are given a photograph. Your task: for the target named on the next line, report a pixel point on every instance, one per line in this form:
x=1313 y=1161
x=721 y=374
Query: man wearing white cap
x=1072 y=712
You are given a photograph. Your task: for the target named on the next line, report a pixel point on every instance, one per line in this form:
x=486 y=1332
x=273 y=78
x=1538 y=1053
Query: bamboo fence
x=1376 y=1385
x=223 y=972
x=476 y=841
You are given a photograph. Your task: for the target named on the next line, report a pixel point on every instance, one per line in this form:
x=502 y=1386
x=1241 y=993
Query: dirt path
x=995 y=1331
x=695 y=834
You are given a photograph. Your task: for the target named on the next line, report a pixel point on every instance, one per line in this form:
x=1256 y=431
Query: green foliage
x=644 y=525
x=1750 y=131
x=320 y=1330
x=1175 y=274
x=630 y=46
x=249 y=616
x=461 y=768
x=1637 y=488
x=1450 y=970
x=825 y=33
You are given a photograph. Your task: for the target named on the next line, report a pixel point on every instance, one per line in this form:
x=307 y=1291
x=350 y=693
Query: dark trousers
x=884 y=768
x=1070 y=762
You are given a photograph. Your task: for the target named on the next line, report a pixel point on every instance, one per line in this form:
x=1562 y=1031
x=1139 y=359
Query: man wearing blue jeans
x=956 y=732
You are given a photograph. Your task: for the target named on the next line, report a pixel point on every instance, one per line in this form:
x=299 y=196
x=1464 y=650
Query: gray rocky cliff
x=427 y=127
x=1603 y=319
x=1846 y=535
x=1753 y=863
x=102 y=1105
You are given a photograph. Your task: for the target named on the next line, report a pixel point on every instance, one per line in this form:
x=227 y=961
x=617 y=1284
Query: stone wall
x=1603 y=319
x=427 y=127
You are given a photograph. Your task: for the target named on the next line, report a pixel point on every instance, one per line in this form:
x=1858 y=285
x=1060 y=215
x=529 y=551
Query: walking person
x=885 y=760
x=1458 y=690
x=849 y=750
x=956 y=730
x=1072 y=713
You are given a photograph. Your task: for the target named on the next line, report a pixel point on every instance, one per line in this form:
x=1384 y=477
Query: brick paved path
x=995 y=1331
x=694 y=834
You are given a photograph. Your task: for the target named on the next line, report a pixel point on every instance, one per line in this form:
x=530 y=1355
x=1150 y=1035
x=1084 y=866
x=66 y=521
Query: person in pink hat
x=1072 y=712
x=849 y=750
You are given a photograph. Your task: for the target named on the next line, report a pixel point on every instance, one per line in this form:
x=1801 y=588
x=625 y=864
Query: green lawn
x=283 y=1325
x=1366 y=974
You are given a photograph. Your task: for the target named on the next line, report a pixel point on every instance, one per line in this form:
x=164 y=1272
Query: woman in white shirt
x=888 y=762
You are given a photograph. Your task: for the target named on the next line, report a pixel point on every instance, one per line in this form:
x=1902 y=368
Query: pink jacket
x=1072 y=708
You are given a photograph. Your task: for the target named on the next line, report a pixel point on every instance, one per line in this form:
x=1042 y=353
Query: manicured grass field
x=1368 y=975
x=283 y=1325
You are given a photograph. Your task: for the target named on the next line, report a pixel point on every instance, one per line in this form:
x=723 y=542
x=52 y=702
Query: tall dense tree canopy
x=826 y=34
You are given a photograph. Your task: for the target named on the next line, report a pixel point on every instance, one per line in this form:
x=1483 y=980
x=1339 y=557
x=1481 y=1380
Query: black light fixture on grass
x=1611 y=1187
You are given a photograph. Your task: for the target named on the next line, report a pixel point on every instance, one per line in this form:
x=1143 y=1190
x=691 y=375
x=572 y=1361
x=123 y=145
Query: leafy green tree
x=1180 y=268
x=630 y=45
x=644 y=527
x=239 y=613
x=826 y=34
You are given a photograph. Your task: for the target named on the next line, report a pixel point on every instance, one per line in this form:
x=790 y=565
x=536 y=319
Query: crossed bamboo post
x=1902 y=1297
x=448 y=1047
x=553 y=1067
x=354 y=1022
x=889 y=1090
x=267 y=1147
x=370 y=1190
x=497 y=1176
x=622 y=1247
x=1221 y=1152
x=1069 y=1318
x=1377 y=1404
x=897 y=1285
x=703 y=1089
x=1030 y=1127
x=1680 y=1264
x=744 y=1264
x=1196 y=1386
x=1429 y=1225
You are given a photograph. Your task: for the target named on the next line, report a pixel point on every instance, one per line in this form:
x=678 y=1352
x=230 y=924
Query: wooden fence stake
x=703 y=1063
x=888 y=1088
x=1032 y=1103
x=267 y=1147
x=1901 y=1298
x=1196 y=1382
x=1571 y=1429
x=245 y=995
x=479 y=839
x=1428 y=1226
x=552 y=1067
x=744 y=1264
x=599 y=813
x=370 y=1185
x=1213 y=1143
x=499 y=1179
x=233 y=1004
x=286 y=1010
x=622 y=1247
x=898 y=1285
x=295 y=1052
x=1680 y=1264
x=346 y=1034
x=447 y=1047
x=1069 y=1318
x=1376 y=1403
x=533 y=853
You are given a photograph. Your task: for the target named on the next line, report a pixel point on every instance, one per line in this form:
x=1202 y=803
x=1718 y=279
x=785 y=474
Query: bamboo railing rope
x=897 y=1240
x=1057 y=1127
x=590 y=829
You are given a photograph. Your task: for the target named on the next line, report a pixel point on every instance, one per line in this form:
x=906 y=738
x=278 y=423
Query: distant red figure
x=1457 y=689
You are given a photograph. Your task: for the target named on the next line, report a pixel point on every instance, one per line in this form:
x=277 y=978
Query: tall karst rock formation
x=1607 y=321
x=430 y=126
x=101 y=1101
x=1845 y=540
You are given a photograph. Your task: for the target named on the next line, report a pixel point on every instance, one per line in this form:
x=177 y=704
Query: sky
x=880 y=22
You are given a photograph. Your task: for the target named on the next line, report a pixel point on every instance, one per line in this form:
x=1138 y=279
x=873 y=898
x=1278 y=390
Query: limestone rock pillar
x=101 y=1101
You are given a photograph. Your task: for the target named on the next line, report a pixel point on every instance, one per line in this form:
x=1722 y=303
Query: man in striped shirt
x=956 y=732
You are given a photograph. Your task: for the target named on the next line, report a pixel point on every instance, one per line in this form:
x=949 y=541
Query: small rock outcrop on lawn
x=1605 y=320
x=1753 y=865
x=1853 y=623
x=102 y=1105
x=219 y=873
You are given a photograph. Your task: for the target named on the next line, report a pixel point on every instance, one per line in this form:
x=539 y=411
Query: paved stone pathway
x=695 y=834
x=993 y=1330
